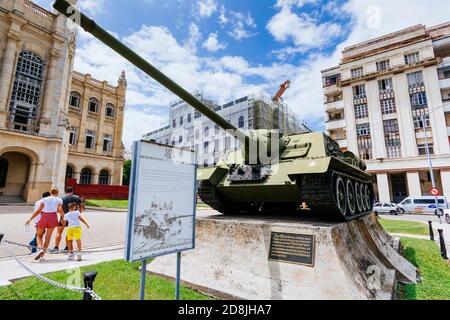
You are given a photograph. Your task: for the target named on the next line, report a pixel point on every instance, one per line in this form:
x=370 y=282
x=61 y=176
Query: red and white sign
x=435 y=192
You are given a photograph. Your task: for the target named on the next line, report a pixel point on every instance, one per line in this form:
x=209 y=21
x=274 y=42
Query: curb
x=105 y=209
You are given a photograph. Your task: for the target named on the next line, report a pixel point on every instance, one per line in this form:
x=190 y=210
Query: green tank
x=307 y=172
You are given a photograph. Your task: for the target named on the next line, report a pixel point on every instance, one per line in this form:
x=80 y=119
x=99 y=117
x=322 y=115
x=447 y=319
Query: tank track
x=319 y=193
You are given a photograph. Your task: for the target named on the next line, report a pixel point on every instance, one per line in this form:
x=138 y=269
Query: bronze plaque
x=292 y=248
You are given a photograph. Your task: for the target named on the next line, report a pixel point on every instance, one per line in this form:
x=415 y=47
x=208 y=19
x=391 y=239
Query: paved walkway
x=424 y=219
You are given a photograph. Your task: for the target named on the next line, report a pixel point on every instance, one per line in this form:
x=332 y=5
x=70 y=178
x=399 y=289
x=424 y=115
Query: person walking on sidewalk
x=33 y=242
x=49 y=208
x=74 y=231
x=70 y=197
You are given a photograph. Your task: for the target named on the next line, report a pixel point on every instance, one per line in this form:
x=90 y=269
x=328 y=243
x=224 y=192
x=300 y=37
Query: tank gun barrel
x=91 y=27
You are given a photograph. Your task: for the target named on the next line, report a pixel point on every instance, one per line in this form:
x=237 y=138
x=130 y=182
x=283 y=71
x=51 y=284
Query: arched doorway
x=86 y=176
x=14 y=174
x=104 y=177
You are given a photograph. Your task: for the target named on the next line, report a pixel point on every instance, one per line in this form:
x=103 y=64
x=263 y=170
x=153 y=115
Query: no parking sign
x=435 y=192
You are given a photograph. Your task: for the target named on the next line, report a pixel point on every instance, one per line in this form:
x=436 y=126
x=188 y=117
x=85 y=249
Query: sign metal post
x=143 y=274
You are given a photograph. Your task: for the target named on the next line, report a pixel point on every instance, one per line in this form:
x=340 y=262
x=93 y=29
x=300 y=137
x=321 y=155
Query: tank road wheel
x=363 y=198
x=341 y=200
x=367 y=198
x=359 y=199
x=351 y=198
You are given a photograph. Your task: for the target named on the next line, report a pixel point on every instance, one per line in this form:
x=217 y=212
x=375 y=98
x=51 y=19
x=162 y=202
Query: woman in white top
x=49 y=209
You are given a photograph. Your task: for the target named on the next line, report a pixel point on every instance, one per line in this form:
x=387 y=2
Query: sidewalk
x=10 y=270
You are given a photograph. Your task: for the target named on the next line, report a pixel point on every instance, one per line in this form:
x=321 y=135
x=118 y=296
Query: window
x=189 y=118
x=359 y=92
x=104 y=177
x=70 y=172
x=332 y=80
x=93 y=105
x=388 y=106
x=383 y=65
x=390 y=126
x=363 y=129
x=206 y=146
x=361 y=111
x=90 y=139
x=3 y=172
x=385 y=86
x=418 y=100
x=357 y=72
x=73 y=138
x=26 y=92
x=415 y=79
x=365 y=147
x=197 y=134
x=216 y=145
x=392 y=138
x=180 y=139
x=241 y=100
x=107 y=143
x=412 y=58
x=86 y=176
x=217 y=129
x=241 y=122
x=181 y=121
x=445 y=74
x=174 y=123
x=228 y=105
x=207 y=132
x=417 y=118
x=110 y=110
x=423 y=149
x=75 y=100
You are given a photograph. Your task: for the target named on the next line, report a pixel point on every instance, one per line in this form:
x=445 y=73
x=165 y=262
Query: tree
x=126 y=172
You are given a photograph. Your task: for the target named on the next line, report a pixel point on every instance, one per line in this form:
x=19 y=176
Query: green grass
x=434 y=271
x=404 y=227
x=112 y=204
x=117 y=280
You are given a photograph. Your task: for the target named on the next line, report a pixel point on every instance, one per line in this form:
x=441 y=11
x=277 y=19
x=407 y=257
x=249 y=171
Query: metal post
x=89 y=278
x=442 y=242
x=178 y=280
x=430 y=163
x=143 y=275
x=430 y=224
x=1 y=237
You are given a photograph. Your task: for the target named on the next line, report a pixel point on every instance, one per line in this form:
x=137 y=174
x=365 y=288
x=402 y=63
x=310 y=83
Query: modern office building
x=189 y=128
x=375 y=100
x=55 y=123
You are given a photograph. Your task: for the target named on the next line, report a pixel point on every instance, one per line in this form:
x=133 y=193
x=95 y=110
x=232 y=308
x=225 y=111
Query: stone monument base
x=353 y=260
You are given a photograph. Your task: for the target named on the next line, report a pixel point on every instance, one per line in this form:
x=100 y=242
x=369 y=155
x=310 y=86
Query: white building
x=189 y=128
x=374 y=100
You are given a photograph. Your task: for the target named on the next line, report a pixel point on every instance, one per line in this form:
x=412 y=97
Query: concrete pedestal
x=354 y=260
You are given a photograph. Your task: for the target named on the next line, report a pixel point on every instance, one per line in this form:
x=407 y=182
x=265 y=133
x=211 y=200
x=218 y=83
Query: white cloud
x=241 y=25
x=206 y=8
x=194 y=37
x=92 y=7
x=212 y=44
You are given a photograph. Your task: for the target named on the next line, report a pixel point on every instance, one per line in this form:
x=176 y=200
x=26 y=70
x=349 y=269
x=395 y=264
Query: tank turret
x=273 y=173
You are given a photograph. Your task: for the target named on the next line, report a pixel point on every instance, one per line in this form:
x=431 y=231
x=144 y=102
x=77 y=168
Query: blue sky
x=228 y=49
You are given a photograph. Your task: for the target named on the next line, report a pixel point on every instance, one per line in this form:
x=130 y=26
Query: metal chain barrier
x=46 y=280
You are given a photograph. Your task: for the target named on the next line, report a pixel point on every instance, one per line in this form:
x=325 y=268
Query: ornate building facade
x=55 y=123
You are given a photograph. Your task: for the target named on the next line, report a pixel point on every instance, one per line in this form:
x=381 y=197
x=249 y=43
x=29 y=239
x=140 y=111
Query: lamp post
x=430 y=162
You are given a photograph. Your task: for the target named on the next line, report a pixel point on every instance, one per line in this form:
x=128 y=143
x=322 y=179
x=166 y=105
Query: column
x=414 y=184
x=76 y=175
x=376 y=120
x=350 y=121
x=6 y=73
x=383 y=187
x=445 y=178
x=49 y=107
x=95 y=178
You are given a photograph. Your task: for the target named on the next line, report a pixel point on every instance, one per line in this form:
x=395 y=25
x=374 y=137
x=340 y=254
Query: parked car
x=423 y=205
x=447 y=215
x=386 y=208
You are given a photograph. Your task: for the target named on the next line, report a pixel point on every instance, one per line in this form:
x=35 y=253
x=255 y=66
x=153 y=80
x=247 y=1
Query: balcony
x=335 y=124
x=444 y=83
x=335 y=105
x=333 y=89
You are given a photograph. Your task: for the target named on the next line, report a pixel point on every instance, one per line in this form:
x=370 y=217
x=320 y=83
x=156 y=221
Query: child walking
x=74 y=231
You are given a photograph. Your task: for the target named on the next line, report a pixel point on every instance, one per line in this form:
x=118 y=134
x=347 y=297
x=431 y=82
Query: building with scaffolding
x=189 y=128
